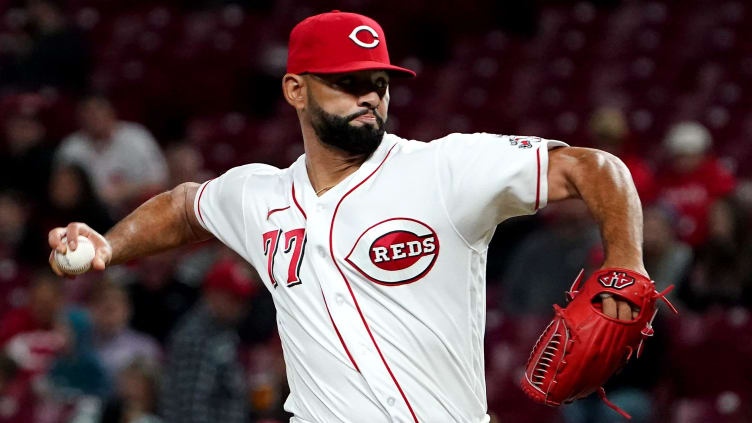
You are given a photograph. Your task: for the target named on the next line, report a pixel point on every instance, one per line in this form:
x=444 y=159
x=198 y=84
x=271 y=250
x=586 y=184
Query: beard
x=336 y=131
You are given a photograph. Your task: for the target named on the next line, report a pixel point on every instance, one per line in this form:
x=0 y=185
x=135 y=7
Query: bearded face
x=341 y=133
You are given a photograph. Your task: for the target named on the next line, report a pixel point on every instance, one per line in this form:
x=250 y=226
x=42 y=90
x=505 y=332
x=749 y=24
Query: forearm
x=606 y=186
x=159 y=224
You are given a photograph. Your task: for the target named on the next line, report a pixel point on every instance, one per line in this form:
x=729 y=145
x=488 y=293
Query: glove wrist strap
x=602 y=394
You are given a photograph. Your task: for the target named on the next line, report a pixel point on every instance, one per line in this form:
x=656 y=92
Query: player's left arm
x=605 y=184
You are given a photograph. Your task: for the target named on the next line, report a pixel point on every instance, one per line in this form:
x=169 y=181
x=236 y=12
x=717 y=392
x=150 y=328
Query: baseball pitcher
x=374 y=247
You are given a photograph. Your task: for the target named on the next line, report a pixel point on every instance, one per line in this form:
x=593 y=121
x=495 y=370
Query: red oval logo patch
x=395 y=252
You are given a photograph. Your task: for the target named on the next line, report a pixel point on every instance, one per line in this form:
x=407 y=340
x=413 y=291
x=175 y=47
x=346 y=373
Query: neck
x=106 y=335
x=326 y=165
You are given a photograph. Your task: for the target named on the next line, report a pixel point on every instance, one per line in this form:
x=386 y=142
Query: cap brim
x=364 y=65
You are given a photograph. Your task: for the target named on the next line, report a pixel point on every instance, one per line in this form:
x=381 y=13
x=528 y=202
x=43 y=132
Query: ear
x=293 y=88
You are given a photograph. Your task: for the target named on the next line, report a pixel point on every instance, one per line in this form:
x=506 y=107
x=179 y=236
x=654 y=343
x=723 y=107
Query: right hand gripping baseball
x=60 y=239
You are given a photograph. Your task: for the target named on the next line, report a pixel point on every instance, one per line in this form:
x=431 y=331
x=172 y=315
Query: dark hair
x=90 y=209
x=89 y=196
x=8 y=367
x=95 y=96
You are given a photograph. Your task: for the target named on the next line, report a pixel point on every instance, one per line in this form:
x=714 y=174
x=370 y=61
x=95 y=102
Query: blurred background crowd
x=105 y=103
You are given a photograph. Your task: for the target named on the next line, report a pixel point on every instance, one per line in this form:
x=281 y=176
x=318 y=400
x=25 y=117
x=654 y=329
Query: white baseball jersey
x=379 y=283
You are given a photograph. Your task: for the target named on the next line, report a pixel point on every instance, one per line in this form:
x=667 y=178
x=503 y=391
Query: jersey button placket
x=364 y=349
x=330 y=280
x=318 y=226
x=347 y=319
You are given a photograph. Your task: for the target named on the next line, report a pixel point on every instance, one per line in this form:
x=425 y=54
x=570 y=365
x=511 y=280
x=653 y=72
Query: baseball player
x=372 y=246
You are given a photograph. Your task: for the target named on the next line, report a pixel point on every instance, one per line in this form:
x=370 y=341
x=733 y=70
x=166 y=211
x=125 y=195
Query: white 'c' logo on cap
x=354 y=36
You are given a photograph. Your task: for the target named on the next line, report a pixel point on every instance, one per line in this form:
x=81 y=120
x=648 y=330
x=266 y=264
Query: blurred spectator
x=8 y=371
x=24 y=148
x=45 y=302
x=116 y=344
x=72 y=199
x=14 y=282
x=548 y=260
x=19 y=238
x=51 y=52
x=136 y=398
x=268 y=383
x=721 y=274
x=204 y=379
x=667 y=259
x=125 y=162
x=592 y=410
x=185 y=164
x=692 y=180
x=29 y=337
x=40 y=46
x=15 y=395
x=610 y=132
x=159 y=298
x=77 y=371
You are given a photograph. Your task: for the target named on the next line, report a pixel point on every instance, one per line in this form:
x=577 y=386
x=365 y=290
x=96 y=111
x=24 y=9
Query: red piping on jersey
x=199 y=201
x=271 y=212
x=296 y=202
x=331 y=252
x=537 y=186
x=337 y=331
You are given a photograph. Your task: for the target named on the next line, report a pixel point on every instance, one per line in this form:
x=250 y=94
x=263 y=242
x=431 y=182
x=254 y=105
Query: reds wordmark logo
x=616 y=280
x=395 y=252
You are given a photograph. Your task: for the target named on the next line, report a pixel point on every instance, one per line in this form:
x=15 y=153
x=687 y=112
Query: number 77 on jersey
x=293 y=247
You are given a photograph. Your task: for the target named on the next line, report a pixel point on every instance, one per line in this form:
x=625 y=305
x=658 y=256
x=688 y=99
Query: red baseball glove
x=582 y=347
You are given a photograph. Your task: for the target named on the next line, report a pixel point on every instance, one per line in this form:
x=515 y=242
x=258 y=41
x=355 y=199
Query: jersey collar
x=304 y=189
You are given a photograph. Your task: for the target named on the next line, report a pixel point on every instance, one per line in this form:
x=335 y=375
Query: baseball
x=78 y=261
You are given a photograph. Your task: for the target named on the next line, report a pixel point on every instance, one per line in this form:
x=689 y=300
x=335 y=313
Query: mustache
x=364 y=112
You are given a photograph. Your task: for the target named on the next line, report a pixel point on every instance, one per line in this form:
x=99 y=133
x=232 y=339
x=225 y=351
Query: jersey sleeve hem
x=197 y=205
x=541 y=199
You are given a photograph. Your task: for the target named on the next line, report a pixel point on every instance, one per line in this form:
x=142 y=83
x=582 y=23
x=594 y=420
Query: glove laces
x=602 y=394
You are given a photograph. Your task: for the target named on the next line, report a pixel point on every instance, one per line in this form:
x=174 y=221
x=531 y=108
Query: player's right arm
x=165 y=221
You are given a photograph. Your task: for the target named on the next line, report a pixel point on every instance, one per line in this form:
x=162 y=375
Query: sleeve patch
x=523 y=141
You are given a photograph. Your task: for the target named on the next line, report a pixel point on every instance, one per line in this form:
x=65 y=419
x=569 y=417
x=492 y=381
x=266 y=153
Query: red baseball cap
x=337 y=42
x=231 y=277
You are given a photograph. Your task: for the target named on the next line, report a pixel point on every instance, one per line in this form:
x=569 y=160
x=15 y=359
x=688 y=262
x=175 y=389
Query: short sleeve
x=487 y=178
x=71 y=151
x=219 y=208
